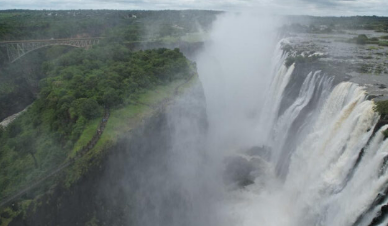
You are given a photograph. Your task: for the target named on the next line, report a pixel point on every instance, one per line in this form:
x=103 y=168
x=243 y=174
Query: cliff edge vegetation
x=81 y=86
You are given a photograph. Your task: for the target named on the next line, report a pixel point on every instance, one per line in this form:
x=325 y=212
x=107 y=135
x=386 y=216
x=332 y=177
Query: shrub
x=382 y=107
x=90 y=108
x=362 y=39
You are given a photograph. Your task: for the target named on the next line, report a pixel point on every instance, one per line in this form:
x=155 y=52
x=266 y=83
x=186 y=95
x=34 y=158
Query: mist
x=235 y=70
x=194 y=118
x=254 y=142
x=177 y=173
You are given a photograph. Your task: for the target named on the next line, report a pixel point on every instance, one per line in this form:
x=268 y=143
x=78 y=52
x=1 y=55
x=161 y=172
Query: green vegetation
x=121 y=121
x=363 y=39
x=124 y=24
x=72 y=88
x=19 y=86
x=115 y=25
x=382 y=108
x=71 y=100
x=20 y=81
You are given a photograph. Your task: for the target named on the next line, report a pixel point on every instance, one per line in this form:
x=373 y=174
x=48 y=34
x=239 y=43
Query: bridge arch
x=18 y=49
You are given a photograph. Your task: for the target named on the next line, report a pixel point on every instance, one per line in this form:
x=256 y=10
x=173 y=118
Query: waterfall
x=313 y=84
x=337 y=169
x=281 y=146
x=322 y=164
x=282 y=75
x=327 y=166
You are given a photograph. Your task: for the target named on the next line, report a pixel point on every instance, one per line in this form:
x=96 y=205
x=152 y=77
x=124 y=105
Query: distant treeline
x=328 y=24
x=46 y=24
x=114 y=25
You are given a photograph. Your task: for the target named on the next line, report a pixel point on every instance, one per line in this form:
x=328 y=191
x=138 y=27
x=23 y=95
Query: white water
x=325 y=167
x=322 y=183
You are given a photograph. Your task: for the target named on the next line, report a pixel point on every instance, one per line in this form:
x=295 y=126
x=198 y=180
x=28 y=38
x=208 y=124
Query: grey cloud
x=310 y=7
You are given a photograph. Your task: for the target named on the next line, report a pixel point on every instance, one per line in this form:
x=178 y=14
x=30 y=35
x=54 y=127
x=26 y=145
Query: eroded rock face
x=247 y=168
x=238 y=171
x=263 y=152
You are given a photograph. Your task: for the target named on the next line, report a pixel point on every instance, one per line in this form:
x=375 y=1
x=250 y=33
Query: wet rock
x=241 y=171
x=238 y=171
x=382 y=86
x=263 y=152
x=372 y=96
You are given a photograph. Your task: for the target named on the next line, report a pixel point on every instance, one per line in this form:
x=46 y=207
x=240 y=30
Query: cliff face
x=125 y=182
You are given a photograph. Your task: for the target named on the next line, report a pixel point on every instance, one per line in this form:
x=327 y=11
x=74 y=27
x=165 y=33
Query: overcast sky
x=305 y=7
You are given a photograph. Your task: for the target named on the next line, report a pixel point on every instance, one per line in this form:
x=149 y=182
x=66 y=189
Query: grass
x=86 y=136
x=372 y=47
x=194 y=37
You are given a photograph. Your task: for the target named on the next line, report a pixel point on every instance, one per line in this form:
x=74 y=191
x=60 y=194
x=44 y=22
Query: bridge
x=17 y=49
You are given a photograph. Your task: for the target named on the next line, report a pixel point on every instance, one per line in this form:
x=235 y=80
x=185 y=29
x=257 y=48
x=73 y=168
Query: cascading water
x=326 y=165
x=280 y=147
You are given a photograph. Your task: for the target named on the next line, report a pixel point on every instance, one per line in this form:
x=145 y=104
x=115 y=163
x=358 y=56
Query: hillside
x=71 y=103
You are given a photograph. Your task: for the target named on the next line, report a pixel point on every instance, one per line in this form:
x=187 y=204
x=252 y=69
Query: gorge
x=253 y=141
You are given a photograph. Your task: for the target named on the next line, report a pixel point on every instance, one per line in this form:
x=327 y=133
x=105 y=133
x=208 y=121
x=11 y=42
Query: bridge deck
x=18 y=48
x=48 y=40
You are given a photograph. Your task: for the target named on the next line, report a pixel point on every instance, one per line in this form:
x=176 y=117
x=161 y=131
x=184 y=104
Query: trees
x=74 y=84
x=89 y=108
x=111 y=97
x=24 y=145
x=81 y=83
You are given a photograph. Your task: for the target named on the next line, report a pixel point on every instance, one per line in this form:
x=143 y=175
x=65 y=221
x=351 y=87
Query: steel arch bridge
x=17 y=49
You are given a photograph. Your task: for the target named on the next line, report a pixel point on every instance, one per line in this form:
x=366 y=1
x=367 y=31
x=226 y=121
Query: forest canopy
x=77 y=88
